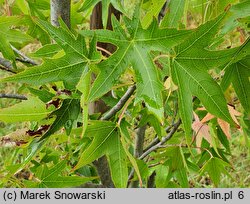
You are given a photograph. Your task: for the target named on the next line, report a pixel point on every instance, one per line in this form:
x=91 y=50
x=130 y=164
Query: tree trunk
x=60 y=9
x=99 y=106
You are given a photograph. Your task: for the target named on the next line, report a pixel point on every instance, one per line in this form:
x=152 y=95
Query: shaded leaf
x=65 y=117
x=131 y=158
x=105 y=7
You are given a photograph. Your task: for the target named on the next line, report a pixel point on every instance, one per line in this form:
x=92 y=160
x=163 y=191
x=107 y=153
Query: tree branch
x=15 y=96
x=6 y=65
x=139 y=141
x=163 y=140
x=156 y=140
x=7 y=69
x=23 y=58
x=157 y=145
x=120 y=103
x=104 y=172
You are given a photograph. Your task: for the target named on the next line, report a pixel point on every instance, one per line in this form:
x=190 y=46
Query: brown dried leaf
x=208 y=117
x=14 y=139
x=201 y=130
x=225 y=127
x=39 y=131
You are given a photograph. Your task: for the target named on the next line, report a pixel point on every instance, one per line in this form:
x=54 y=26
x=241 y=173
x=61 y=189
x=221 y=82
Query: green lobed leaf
x=174 y=14
x=67 y=68
x=29 y=110
x=8 y=35
x=50 y=178
x=189 y=71
x=118 y=165
x=241 y=83
x=65 y=117
x=133 y=48
x=104 y=135
x=215 y=167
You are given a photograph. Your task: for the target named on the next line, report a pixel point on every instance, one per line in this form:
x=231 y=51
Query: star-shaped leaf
x=65 y=116
x=51 y=178
x=133 y=48
x=68 y=68
x=106 y=141
x=8 y=35
x=189 y=69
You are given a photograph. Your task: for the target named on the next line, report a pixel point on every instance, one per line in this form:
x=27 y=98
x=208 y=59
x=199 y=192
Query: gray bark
x=60 y=9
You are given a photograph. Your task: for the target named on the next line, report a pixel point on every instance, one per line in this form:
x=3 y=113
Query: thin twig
x=7 y=69
x=158 y=145
x=156 y=139
x=163 y=140
x=120 y=104
x=15 y=96
x=5 y=63
x=139 y=141
x=24 y=57
x=104 y=50
x=124 y=109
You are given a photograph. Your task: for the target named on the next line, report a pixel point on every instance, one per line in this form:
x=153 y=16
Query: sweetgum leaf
x=238 y=73
x=215 y=167
x=65 y=116
x=189 y=69
x=67 y=68
x=50 y=178
x=32 y=109
x=8 y=35
x=104 y=141
x=118 y=165
x=133 y=48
